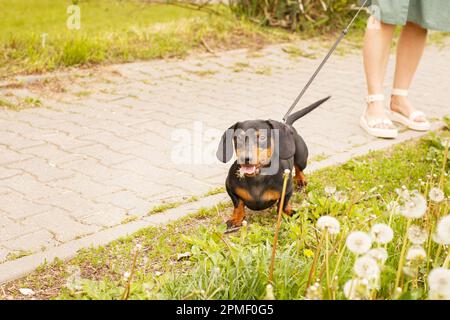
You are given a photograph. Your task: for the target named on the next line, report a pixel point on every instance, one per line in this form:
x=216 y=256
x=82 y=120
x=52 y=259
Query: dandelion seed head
x=358 y=242
x=436 y=195
x=417 y=235
x=416 y=254
x=439 y=281
x=367 y=268
x=379 y=254
x=381 y=233
x=329 y=224
x=438 y=296
x=314 y=292
x=443 y=230
x=126 y=275
x=415 y=207
x=356 y=289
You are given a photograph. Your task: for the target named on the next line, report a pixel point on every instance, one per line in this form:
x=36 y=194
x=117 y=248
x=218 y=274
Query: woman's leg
x=377 y=44
x=409 y=52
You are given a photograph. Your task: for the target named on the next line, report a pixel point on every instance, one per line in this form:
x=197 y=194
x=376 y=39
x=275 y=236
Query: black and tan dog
x=264 y=149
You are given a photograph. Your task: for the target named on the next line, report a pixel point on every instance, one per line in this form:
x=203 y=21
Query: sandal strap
x=416 y=114
x=374 y=122
x=375 y=97
x=399 y=92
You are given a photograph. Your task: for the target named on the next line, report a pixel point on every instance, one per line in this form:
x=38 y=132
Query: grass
x=114 y=31
x=295 y=52
x=235 y=266
x=17 y=103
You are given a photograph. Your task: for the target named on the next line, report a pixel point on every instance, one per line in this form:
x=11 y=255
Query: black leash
x=343 y=34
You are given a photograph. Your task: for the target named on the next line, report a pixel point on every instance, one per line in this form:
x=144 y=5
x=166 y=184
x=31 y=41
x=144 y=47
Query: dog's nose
x=244 y=160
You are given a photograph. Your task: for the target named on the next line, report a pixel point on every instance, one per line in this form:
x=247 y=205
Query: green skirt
x=430 y=14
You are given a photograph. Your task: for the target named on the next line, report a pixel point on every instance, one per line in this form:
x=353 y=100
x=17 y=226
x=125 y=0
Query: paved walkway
x=98 y=153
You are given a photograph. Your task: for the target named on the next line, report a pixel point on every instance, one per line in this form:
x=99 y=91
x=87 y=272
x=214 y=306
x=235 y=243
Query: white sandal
x=371 y=125
x=410 y=121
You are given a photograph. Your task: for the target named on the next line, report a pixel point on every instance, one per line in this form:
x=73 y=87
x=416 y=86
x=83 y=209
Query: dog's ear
x=285 y=148
x=225 y=150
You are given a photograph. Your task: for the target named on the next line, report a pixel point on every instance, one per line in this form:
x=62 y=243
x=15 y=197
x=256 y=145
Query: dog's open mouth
x=248 y=169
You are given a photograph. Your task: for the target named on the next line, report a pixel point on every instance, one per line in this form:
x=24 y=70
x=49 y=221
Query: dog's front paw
x=289 y=211
x=231 y=224
x=300 y=180
x=300 y=184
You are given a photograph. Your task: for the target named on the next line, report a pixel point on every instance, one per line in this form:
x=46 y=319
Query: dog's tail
x=297 y=115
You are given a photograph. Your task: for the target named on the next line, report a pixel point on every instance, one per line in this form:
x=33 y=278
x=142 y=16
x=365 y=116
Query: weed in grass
x=203 y=73
x=320 y=157
x=21 y=103
x=264 y=70
x=129 y=219
x=240 y=66
x=83 y=93
x=295 y=52
x=164 y=207
x=18 y=255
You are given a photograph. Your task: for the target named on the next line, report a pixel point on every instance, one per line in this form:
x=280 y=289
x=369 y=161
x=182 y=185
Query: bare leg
x=377 y=43
x=409 y=52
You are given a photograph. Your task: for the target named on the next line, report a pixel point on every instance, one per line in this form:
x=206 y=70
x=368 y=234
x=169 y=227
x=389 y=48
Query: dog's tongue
x=248 y=169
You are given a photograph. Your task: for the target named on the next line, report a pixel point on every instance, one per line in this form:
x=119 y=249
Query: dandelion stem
x=277 y=229
x=447 y=260
x=438 y=253
x=430 y=244
x=340 y=256
x=327 y=267
x=402 y=256
x=316 y=257
x=444 y=165
x=127 y=291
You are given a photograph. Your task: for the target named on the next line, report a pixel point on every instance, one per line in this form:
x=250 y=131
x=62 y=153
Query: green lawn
x=235 y=266
x=112 y=31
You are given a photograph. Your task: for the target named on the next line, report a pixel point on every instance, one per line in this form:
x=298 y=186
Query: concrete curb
x=18 y=268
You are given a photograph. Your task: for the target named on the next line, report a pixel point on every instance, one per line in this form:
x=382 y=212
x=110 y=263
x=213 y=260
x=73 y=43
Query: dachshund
x=264 y=149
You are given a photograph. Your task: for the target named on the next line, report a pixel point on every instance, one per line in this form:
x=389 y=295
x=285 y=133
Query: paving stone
x=32 y=242
x=9 y=156
x=27 y=186
x=85 y=186
x=60 y=225
x=123 y=199
x=7 y=173
x=42 y=169
x=108 y=217
x=18 y=207
x=103 y=154
x=14 y=230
